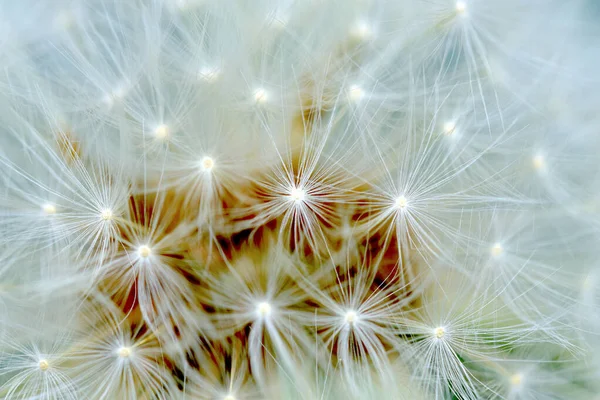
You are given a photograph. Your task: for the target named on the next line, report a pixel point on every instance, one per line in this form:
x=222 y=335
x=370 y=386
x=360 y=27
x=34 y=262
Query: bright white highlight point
x=355 y=93
x=162 y=132
x=124 y=352
x=497 y=250
x=297 y=195
x=116 y=95
x=401 y=202
x=209 y=74
x=516 y=379
x=43 y=365
x=144 y=251
x=449 y=128
x=264 y=309
x=49 y=209
x=539 y=162
x=261 y=95
x=439 y=332
x=229 y=397
x=351 y=317
x=106 y=214
x=207 y=164
x=362 y=31
x=461 y=7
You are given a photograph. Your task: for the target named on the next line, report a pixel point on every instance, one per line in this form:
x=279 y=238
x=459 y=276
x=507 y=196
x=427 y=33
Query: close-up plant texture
x=299 y=199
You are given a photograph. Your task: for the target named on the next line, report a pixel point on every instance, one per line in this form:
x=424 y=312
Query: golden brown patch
x=68 y=146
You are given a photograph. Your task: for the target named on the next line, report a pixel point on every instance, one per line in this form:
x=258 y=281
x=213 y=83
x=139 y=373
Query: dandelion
x=279 y=199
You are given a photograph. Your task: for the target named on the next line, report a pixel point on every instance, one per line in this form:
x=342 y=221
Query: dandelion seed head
x=497 y=250
x=144 y=251
x=207 y=164
x=393 y=156
x=355 y=93
x=106 y=214
x=124 y=352
x=362 y=31
x=209 y=74
x=263 y=309
x=162 y=132
x=516 y=379
x=297 y=195
x=539 y=162
x=49 y=209
x=461 y=7
x=401 y=202
x=117 y=94
x=43 y=365
x=449 y=128
x=261 y=96
x=351 y=317
x=439 y=332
